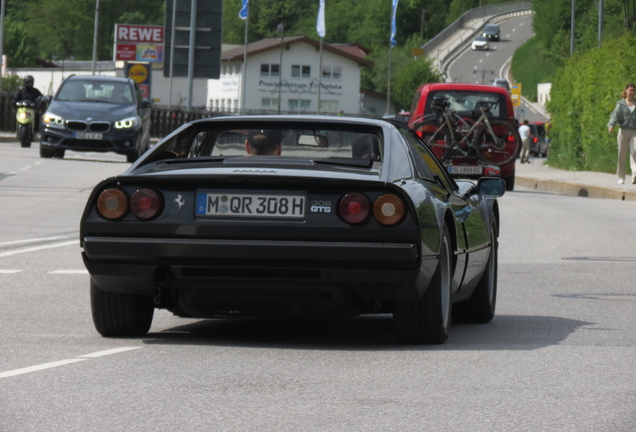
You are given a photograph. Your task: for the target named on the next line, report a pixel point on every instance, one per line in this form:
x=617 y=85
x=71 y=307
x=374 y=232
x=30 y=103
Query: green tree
x=408 y=78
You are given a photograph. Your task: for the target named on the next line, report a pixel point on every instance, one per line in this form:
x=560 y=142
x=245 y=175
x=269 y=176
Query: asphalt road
x=559 y=355
x=480 y=67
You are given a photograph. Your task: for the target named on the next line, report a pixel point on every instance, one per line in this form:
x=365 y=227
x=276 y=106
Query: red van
x=463 y=99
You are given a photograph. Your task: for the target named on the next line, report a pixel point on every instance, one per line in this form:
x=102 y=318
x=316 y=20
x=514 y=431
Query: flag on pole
x=393 y=26
x=320 y=22
x=243 y=13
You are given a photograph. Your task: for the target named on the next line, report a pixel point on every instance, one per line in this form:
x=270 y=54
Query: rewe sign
x=138 y=43
x=130 y=33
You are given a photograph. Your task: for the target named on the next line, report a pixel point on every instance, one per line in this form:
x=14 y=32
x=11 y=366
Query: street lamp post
x=280 y=30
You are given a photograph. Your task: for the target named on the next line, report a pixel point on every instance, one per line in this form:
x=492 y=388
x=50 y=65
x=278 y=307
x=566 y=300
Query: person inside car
x=264 y=142
x=119 y=96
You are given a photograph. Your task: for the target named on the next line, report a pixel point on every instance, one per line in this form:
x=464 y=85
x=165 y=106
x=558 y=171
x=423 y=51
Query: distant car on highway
x=539 y=146
x=464 y=100
x=480 y=43
x=491 y=32
x=96 y=113
x=501 y=82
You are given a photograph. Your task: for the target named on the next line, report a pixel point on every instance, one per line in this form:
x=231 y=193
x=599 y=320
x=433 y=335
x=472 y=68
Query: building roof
x=269 y=44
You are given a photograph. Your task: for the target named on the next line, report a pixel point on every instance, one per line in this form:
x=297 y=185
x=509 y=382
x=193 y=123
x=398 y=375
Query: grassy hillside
x=530 y=67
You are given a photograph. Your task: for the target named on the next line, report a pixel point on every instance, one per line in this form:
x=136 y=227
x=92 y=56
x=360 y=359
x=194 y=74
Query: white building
x=290 y=85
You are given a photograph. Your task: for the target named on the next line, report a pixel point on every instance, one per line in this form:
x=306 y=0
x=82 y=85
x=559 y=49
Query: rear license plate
x=465 y=169
x=87 y=135
x=251 y=205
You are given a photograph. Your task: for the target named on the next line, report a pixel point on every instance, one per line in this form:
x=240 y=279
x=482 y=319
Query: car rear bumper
x=141 y=266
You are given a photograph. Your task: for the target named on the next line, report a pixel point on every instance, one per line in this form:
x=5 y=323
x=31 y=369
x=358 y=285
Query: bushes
x=584 y=93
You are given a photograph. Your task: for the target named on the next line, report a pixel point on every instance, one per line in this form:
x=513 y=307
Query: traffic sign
x=207 y=54
x=515 y=94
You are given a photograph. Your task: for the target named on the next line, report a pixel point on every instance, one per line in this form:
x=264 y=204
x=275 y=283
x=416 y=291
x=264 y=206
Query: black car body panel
x=89 y=121
x=201 y=263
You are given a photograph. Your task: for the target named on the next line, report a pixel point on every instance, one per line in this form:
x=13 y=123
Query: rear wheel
x=501 y=148
x=45 y=152
x=437 y=138
x=510 y=182
x=117 y=314
x=480 y=307
x=426 y=320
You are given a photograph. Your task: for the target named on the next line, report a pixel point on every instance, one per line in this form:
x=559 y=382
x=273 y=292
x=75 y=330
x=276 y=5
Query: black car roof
x=361 y=121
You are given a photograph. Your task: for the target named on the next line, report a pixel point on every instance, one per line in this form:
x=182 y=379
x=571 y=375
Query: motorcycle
x=25 y=116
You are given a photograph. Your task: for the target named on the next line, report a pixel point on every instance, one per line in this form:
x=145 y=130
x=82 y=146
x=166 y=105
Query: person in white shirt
x=526 y=136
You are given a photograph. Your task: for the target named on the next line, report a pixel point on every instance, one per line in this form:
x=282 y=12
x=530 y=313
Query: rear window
x=466 y=103
x=297 y=140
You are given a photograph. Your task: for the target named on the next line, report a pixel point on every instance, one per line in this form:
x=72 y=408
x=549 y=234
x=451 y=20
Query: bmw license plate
x=250 y=205
x=87 y=135
x=465 y=169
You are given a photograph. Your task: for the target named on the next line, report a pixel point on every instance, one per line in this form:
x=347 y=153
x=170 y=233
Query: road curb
x=573 y=189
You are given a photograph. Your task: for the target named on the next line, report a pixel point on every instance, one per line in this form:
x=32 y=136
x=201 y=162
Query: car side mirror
x=146 y=103
x=45 y=99
x=491 y=186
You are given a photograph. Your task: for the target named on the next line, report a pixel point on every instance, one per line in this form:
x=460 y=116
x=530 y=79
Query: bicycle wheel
x=437 y=138
x=501 y=148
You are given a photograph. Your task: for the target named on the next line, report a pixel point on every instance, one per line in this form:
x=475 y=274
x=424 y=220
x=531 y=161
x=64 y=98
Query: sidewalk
x=589 y=184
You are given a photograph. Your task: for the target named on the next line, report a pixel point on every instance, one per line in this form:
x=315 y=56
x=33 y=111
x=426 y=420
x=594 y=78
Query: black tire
x=120 y=315
x=46 y=153
x=480 y=307
x=502 y=150
x=510 y=182
x=132 y=157
x=426 y=321
x=59 y=153
x=26 y=136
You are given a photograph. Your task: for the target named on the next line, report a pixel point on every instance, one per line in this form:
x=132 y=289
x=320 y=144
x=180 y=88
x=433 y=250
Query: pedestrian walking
x=526 y=136
x=623 y=115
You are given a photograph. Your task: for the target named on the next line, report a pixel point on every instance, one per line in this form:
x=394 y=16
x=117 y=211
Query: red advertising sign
x=132 y=33
x=126 y=52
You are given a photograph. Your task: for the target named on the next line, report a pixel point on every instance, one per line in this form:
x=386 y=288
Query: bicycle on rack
x=495 y=142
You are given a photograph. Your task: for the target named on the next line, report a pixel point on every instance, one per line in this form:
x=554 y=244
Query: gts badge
x=320 y=207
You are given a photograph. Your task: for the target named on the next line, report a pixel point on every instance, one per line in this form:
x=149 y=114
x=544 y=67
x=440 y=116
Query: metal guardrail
x=479 y=12
x=451 y=54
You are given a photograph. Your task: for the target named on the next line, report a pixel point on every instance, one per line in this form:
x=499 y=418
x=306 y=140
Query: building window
x=299 y=71
x=269 y=104
x=331 y=72
x=270 y=70
x=328 y=106
x=299 y=105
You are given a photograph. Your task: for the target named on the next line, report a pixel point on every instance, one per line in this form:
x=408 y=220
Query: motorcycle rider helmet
x=28 y=81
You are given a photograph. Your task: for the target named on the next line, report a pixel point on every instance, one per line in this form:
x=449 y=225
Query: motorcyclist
x=28 y=92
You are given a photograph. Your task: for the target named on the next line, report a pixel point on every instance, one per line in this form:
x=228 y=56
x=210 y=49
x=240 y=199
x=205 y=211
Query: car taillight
x=112 y=204
x=490 y=171
x=146 y=203
x=388 y=209
x=354 y=208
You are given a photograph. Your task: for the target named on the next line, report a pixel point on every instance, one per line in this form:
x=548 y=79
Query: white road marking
x=33 y=240
x=50 y=365
x=481 y=60
x=514 y=29
x=39 y=367
x=37 y=248
x=9 y=271
x=109 y=352
x=69 y=272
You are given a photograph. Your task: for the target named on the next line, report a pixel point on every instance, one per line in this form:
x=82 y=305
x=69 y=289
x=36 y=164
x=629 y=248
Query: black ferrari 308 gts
x=288 y=216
